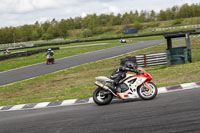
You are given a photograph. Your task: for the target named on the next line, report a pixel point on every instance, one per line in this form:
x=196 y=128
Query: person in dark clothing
x=50 y=56
x=120 y=73
x=50 y=52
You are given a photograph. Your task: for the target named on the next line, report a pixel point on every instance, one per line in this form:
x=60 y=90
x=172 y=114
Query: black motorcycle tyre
x=108 y=97
x=148 y=98
x=50 y=61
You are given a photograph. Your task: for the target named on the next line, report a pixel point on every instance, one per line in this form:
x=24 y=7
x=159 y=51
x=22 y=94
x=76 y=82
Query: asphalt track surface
x=28 y=72
x=177 y=112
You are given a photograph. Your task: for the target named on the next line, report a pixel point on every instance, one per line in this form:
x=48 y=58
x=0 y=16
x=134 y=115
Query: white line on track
x=188 y=85
x=86 y=45
x=41 y=105
x=17 y=107
x=1 y=107
x=68 y=102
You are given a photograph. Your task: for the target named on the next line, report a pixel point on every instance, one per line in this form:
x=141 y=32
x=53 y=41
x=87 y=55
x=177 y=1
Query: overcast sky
x=20 y=12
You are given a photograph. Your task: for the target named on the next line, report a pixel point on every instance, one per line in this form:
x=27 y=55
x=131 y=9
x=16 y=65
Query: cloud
x=14 y=20
x=20 y=12
x=25 y=6
x=42 y=19
x=110 y=9
x=83 y=14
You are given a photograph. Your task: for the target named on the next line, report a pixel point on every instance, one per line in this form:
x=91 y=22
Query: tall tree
x=26 y=32
x=92 y=23
x=63 y=28
x=162 y=16
x=152 y=15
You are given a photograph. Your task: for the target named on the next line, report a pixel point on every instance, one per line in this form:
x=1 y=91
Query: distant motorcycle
x=50 y=60
x=132 y=86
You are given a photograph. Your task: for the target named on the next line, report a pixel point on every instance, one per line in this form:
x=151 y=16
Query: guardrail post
x=145 y=60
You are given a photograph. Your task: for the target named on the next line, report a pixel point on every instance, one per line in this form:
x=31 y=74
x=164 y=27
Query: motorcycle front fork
x=146 y=86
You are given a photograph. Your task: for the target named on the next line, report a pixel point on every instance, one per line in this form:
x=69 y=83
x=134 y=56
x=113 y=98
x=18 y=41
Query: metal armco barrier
x=154 y=59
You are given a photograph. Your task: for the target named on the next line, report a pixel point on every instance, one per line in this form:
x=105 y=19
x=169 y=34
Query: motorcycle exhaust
x=104 y=87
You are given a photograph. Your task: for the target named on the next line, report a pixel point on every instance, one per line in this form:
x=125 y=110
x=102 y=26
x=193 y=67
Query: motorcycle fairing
x=132 y=91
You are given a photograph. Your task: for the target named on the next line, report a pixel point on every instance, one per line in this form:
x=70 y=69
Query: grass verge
x=40 y=57
x=78 y=82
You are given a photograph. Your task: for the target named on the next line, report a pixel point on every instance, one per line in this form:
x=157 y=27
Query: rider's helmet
x=131 y=65
x=49 y=49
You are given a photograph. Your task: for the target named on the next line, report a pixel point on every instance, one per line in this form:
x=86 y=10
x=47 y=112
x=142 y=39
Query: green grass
x=64 y=45
x=85 y=43
x=40 y=57
x=103 y=36
x=112 y=34
x=78 y=82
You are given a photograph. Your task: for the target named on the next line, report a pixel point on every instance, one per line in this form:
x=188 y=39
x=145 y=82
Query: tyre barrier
x=15 y=48
x=24 y=53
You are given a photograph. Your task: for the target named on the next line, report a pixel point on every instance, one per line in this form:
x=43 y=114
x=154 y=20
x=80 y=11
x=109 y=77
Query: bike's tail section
x=97 y=83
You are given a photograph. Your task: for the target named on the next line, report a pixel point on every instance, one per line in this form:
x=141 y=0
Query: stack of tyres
x=128 y=58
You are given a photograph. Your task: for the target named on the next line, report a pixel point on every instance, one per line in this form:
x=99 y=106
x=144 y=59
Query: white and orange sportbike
x=132 y=86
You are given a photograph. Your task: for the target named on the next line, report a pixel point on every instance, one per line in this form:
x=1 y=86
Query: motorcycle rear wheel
x=148 y=93
x=102 y=97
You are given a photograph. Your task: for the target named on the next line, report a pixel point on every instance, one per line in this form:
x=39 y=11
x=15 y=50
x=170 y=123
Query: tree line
x=89 y=24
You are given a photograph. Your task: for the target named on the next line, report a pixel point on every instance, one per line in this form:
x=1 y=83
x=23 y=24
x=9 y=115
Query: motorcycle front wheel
x=147 y=93
x=102 y=97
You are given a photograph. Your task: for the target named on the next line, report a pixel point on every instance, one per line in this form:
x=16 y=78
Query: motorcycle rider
x=7 y=51
x=50 y=55
x=120 y=73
